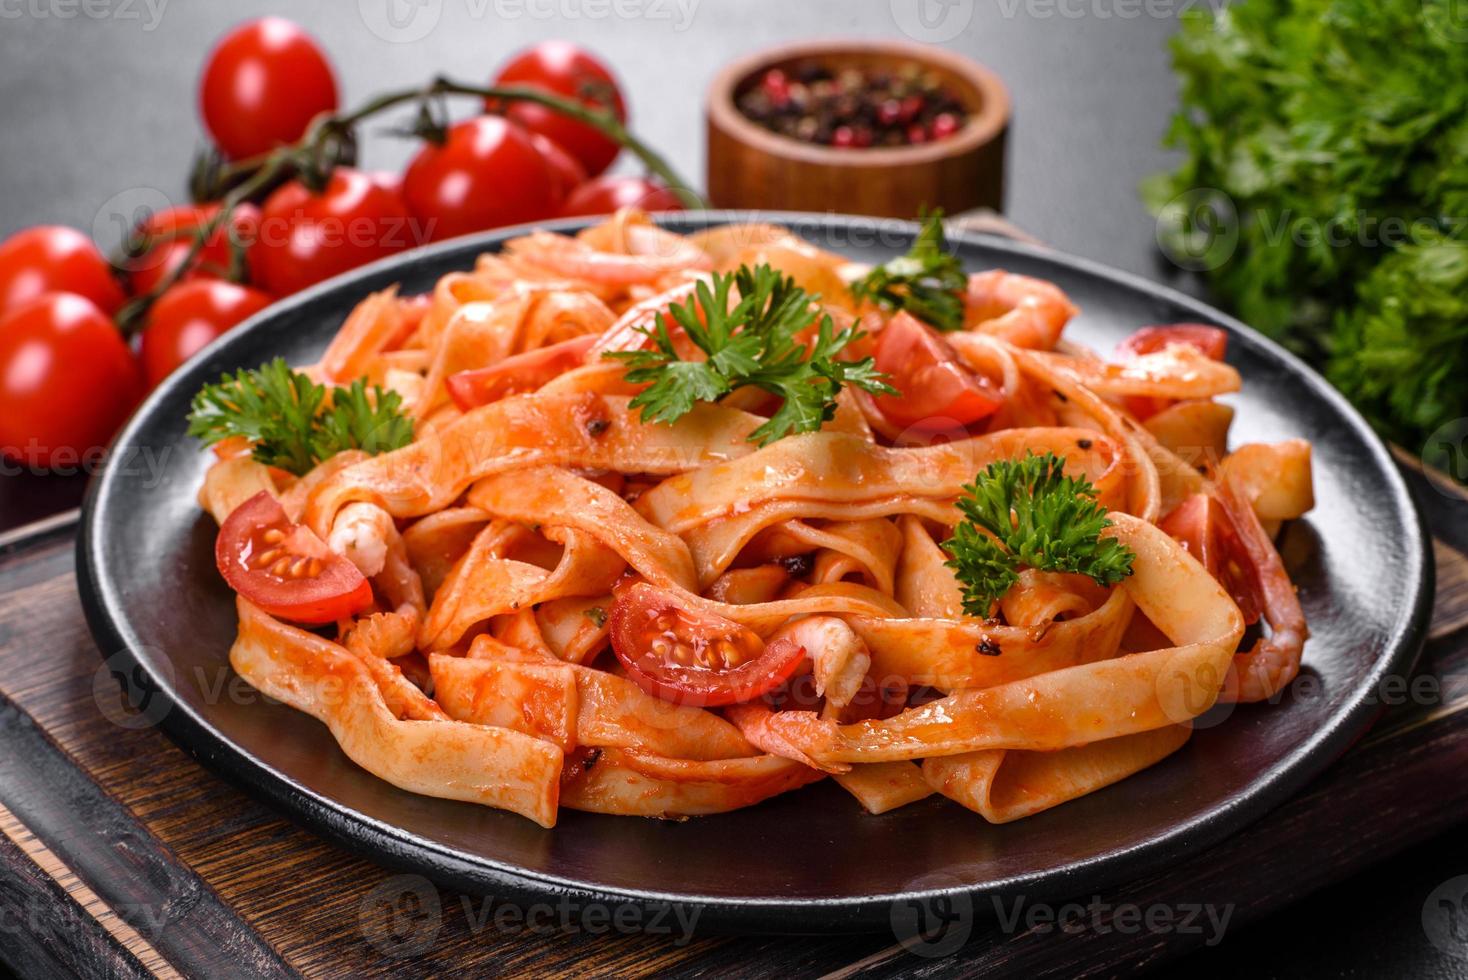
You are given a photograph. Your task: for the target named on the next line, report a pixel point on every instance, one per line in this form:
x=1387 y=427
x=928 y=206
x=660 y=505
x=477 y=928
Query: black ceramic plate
x=809 y=860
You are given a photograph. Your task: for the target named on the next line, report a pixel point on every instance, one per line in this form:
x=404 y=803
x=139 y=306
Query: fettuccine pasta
x=537 y=535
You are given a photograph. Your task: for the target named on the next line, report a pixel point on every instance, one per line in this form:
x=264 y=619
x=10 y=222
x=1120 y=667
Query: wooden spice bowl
x=750 y=167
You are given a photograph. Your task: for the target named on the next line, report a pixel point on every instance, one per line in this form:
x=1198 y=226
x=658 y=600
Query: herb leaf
x=751 y=343
x=927 y=282
x=1036 y=517
x=291 y=421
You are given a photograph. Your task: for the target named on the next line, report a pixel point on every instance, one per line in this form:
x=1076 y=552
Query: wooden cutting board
x=120 y=853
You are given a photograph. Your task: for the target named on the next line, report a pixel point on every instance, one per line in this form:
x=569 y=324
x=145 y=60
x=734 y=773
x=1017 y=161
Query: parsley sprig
x=751 y=343
x=292 y=422
x=927 y=282
x=1038 y=518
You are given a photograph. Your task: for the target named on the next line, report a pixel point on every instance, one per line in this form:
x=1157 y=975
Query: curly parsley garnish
x=292 y=422
x=928 y=282
x=751 y=343
x=1041 y=518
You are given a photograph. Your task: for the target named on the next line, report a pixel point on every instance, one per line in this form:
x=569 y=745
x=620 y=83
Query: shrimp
x=360 y=534
x=1262 y=672
x=575 y=259
x=839 y=658
x=1020 y=310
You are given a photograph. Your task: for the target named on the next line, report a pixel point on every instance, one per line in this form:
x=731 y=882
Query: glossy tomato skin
x=262 y=85
x=604 y=195
x=526 y=371
x=147 y=270
x=188 y=316
x=938 y=393
x=1212 y=342
x=67 y=380
x=54 y=258
x=1202 y=525
x=566 y=171
x=691 y=657
x=284 y=568
x=565 y=69
x=305 y=237
x=487 y=174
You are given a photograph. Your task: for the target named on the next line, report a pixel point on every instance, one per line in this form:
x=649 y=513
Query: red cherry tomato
x=694 y=658
x=565 y=69
x=67 y=380
x=487 y=174
x=520 y=372
x=938 y=392
x=262 y=85
x=1202 y=525
x=566 y=171
x=147 y=270
x=603 y=195
x=306 y=237
x=187 y=317
x=1211 y=341
x=53 y=258
x=284 y=568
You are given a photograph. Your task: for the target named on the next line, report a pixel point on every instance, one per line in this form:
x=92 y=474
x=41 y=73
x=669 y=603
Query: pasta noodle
x=509 y=544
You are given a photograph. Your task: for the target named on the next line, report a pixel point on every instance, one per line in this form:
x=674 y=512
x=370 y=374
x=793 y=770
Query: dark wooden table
x=100 y=116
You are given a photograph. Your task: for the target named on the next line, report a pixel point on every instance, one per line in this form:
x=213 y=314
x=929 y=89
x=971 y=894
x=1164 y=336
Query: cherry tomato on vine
x=284 y=568
x=54 y=258
x=145 y=271
x=566 y=171
x=187 y=317
x=486 y=174
x=693 y=657
x=603 y=195
x=67 y=380
x=262 y=85
x=565 y=69
x=307 y=237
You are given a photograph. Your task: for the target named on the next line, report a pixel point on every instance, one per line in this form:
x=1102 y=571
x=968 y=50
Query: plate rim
x=385 y=843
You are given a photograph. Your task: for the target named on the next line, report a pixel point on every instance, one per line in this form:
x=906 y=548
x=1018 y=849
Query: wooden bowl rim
x=981 y=128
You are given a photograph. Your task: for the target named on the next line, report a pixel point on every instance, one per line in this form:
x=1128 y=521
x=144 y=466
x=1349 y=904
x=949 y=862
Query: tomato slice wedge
x=284 y=568
x=692 y=657
x=1202 y=525
x=937 y=392
x=1211 y=341
x=518 y=372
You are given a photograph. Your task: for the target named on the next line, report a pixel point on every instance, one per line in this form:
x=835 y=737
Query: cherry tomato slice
x=694 y=658
x=938 y=392
x=1202 y=526
x=520 y=372
x=55 y=259
x=262 y=85
x=1212 y=341
x=284 y=568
